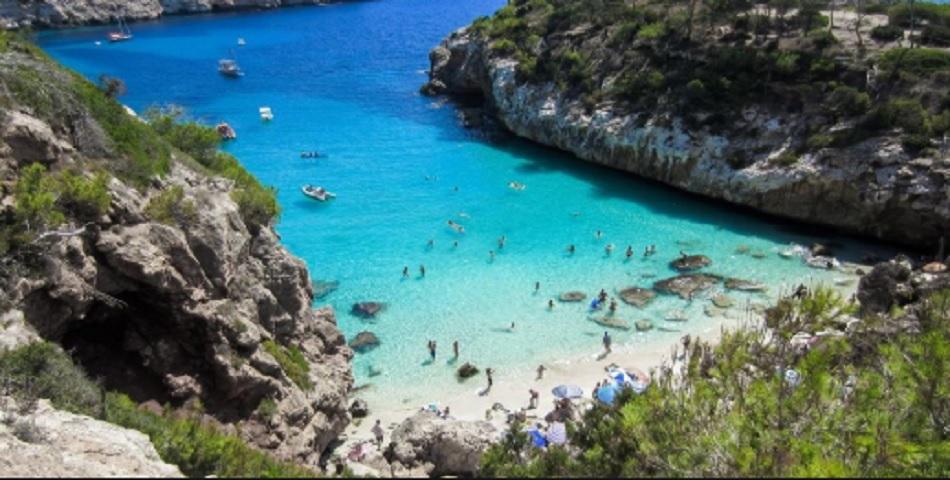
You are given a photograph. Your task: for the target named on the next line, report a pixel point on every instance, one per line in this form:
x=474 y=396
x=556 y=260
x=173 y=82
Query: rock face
x=872 y=188
x=169 y=312
x=896 y=283
x=46 y=442
x=441 y=447
x=69 y=13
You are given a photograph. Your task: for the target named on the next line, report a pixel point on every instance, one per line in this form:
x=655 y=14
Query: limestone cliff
x=592 y=85
x=208 y=307
x=66 y=13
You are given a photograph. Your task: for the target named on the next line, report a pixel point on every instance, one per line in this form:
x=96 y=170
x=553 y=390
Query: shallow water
x=343 y=80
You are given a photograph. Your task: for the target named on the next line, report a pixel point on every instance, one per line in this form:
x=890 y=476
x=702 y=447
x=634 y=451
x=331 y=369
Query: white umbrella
x=557 y=434
x=567 y=391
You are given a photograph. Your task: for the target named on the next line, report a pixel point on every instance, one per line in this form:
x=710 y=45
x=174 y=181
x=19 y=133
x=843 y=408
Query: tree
x=113 y=87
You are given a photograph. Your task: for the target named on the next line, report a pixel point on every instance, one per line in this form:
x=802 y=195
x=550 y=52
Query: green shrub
x=198 y=450
x=504 y=47
x=786 y=63
x=936 y=35
x=933 y=13
x=919 y=61
x=785 y=159
x=819 y=141
x=292 y=361
x=36 y=197
x=652 y=31
x=257 y=204
x=915 y=142
x=822 y=67
x=887 y=33
x=848 y=101
x=42 y=370
x=907 y=114
x=821 y=39
x=87 y=199
x=267 y=408
x=172 y=208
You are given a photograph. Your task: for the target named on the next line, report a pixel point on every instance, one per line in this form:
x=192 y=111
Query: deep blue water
x=343 y=80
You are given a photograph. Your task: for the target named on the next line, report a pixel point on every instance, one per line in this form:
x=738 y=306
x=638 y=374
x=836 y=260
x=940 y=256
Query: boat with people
x=122 y=34
x=225 y=131
x=516 y=186
x=312 y=154
x=317 y=193
x=229 y=68
x=266 y=114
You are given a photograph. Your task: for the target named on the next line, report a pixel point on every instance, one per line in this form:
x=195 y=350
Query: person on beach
x=422 y=270
x=378 y=433
x=607 y=341
x=594 y=392
x=533 y=399
x=550 y=304
x=488 y=373
x=455 y=348
x=541 y=370
x=405 y=272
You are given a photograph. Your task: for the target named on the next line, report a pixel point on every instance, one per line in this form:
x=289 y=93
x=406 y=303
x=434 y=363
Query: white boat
x=317 y=193
x=241 y=42
x=229 y=68
x=516 y=186
x=120 y=35
x=266 y=114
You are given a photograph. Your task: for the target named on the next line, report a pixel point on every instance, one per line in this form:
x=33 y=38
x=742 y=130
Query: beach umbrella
x=607 y=393
x=567 y=391
x=537 y=438
x=557 y=434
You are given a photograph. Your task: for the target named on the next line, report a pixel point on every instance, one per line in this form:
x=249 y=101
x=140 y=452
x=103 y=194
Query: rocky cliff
x=201 y=306
x=595 y=86
x=67 y=13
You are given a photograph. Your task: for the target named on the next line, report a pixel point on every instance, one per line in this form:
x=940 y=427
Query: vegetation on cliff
x=707 y=61
x=871 y=403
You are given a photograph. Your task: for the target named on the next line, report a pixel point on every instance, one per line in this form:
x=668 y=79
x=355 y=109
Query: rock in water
x=723 y=301
x=466 y=370
x=367 y=309
x=611 y=322
x=364 y=341
x=323 y=288
x=636 y=296
x=688 y=263
x=744 y=285
x=644 y=325
x=573 y=296
x=687 y=284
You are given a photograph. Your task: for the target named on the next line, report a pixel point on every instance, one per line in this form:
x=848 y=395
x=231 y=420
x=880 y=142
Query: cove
x=343 y=80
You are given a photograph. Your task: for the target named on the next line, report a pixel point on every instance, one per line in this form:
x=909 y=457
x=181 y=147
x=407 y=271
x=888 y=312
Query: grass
x=292 y=362
x=43 y=370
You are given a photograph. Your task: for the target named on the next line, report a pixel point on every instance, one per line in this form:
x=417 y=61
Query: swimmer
x=455 y=348
x=422 y=270
x=512 y=328
x=430 y=243
x=570 y=249
x=405 y=271
x=609 y=248
x=613 y=306
x=501 y=242
x=629 y=252
x=602 y=296
x=456 y=188
x=599 y=234
x=491 y=255
x=455 y=244
x=646 y=251
x=537 y=286
x=550 y=304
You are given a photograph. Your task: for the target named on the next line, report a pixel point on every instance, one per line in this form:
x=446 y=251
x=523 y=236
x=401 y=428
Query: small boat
x=516 y=186
x=313 y=154
x=266 y=114
x=120 y=35
x=241 y=42
x=229 y=68
x=225 y=131
x=317 y=193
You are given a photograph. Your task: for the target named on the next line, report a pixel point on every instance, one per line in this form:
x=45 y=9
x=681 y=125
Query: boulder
x=644 y=325
x=688 y=263
x=885 y=285
x=610 y=321
x=359 y=408
x=572 y=296
x=687 y=284
x=364 y=341
x=367 y=309
x=450 y=447
x=745 y=285
x=934 y=267
x=466 y=370
x=723 y=301
x=636 y=296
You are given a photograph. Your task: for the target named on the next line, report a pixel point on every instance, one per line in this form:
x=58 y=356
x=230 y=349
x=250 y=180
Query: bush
x=914 y=142
x=936 y=35
x=848 y=101
x=43 y=370
x=907 y=114
x=267 y=408
x=87 y=199
x=819 y=141
x=172 y=208
x=919 y=61
x=932 y=13
x=887 y=33
x=198 y=450
x=652 y=31
x=787 y=63
x=36 y=199
x=292 y=361
x=785 y=159
x=504 y=47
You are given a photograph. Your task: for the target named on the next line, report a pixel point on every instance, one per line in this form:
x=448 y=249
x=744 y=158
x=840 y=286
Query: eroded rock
x=449 y=447
x=636 y=296
x=688 y=263
x=687 y=284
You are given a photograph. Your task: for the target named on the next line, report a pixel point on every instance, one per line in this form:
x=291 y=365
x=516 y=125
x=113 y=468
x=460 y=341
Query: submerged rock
x=367 y=309
x=687 y=284
x=322 y=288
x=676 y=316
x=364 y=341
x=687 y=263
x=745 y=285
x=572 y=296
x=636 y=296
x=644 y=325
x=610 y=322
x=722 y=301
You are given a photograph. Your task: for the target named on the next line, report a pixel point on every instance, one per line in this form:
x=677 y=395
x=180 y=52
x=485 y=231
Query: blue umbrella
x=567 y=391
x=607 y=393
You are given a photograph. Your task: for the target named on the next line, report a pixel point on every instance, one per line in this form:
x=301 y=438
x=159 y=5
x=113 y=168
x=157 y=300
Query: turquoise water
x=343 y=80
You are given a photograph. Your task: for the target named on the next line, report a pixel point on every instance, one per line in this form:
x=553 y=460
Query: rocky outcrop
x=872 y=188
x=69 y=13
x=45 y=442
x=440 y=446
x=896 y=284
x=687 y=284
x=206 y=309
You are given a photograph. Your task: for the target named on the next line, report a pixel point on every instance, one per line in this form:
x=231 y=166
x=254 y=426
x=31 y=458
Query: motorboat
x=516 y=186
x=225 y=131
x=241 y=42
x=120 y=35
x=317 y=193
x=266 y=114
x=229 y=68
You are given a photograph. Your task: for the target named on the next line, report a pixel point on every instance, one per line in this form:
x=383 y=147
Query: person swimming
x=609 y=248
x=430 y=243
x=455 y=244
x=405 y=271
x=550 y=304
x=491 y=255
x=629 y=252
x=599 y=234
x=570 y=249
x=422 y=270
x=537 y=286
x=501 y=242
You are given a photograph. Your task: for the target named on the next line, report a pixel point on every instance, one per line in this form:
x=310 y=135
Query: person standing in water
x=432 y=349
x=607 y=342
x=613 y=306
x=455 y=348
x=431 y=243
x=501 y=242
x=491 y=255
x=570 y=249
x=405 y=272
x=541 y=370
x=609 y=248
x=599 y=234
x=537 y=286
x=422 y=270
x=489 y=372
x=629 y=252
